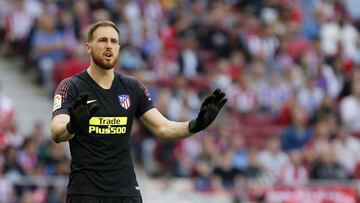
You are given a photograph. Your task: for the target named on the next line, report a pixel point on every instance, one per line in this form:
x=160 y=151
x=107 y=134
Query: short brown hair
x=96 y=25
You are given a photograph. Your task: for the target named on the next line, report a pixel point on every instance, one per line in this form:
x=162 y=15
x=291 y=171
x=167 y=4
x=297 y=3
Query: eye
x=114 y=41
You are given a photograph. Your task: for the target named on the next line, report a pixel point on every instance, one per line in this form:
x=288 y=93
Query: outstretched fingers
x=84 y=97
x=80 y=100
x=94 y=107
x=219 y=99
x=202 y=113
x=208 y=100
x=213 y=98
x=221 y=103
x=219 y=95
x=216 y=92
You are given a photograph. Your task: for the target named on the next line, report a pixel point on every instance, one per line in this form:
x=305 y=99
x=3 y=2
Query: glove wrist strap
x=70 y=128
x=193 y=126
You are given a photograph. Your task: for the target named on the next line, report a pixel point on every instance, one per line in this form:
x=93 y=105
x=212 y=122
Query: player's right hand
x=80 y=113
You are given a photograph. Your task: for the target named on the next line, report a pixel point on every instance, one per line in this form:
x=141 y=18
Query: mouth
x=108 y=55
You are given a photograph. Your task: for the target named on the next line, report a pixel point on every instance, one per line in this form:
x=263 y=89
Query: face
x=295 y=157
x=104 y=47
x=274 y=145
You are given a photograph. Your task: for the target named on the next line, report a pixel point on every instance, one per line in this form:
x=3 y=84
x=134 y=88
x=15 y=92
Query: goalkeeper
x=94 y=111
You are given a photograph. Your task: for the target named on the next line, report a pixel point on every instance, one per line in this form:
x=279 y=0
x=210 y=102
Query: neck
x=102 y=77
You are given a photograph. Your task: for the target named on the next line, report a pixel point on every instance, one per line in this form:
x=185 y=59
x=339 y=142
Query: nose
x=108 y=45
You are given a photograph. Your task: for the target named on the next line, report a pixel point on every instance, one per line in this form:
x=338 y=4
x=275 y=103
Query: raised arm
x=164 y=128
x=173 y=130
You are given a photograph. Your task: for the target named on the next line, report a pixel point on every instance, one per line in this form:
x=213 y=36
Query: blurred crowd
x=290 y=68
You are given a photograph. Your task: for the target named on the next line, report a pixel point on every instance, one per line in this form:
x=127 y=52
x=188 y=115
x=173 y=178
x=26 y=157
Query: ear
x=88 y=48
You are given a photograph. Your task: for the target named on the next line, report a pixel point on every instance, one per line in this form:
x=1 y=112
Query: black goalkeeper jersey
x=101 y=161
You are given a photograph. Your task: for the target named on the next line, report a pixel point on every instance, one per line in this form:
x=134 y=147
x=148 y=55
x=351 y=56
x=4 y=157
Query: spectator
x=338 y=34
x=220 y=78
x=311 y=19
x=263 y=46
x=67 y=27
x=255 y=176
x=242 y=97
x=298 y=133
x=27 y=156
x=321 y=139
x=12 y=168
x=281 y=60
x=218 y=38
x=4 y=7
x=347 y=150
x=311 y=96
x=326 y=167
x=186 y=153
x=67 y=67
x=240 y=157
x=295 y=44
x=165 y=66
x=7 y=121
x=55 y=155
x=258 y=76
x=237 y=65
x=294 y=172
x=131 y=56
x=183 y=101
x=225 y=174
x=209 y=150
x=55 y=195
x=19 y=21
x=273 y=158
x=254 y=170
x=188 y=59
x=82 y=18
x=39 y=140
x=327 y=80
x=203 y=175
x=352 y=7
x=7 y=192
x=47 y=48
x=274 y=93
x=350 y=108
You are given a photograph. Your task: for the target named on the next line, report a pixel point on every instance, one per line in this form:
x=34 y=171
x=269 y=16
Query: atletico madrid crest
x=124 y=100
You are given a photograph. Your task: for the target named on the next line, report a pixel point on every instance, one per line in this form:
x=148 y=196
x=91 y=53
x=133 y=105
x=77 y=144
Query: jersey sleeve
x=64 y=97
x=145 y=103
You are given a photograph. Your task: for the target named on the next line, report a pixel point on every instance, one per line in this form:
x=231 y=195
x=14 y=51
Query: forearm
x=59 y=132
x=174 y=131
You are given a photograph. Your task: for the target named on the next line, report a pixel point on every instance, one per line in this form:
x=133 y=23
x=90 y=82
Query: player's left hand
x=208 y=111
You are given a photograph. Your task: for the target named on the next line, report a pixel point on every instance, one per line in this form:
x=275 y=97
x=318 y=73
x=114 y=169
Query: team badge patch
x=124 y=100
x=57 y=102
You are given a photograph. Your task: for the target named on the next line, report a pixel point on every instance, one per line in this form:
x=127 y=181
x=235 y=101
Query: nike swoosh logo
x=91 y=101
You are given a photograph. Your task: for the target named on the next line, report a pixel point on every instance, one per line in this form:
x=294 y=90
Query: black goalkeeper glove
x=208 y=111
x=80 y=113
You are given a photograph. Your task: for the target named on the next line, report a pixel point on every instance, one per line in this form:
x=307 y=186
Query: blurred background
x=290 y=68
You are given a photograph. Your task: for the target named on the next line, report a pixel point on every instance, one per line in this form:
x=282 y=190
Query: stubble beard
x=100 y=62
